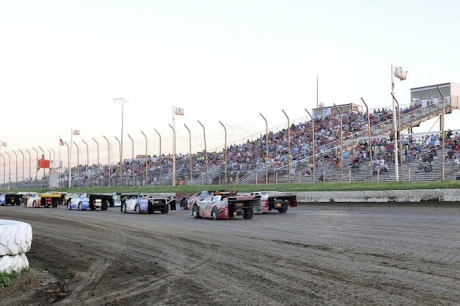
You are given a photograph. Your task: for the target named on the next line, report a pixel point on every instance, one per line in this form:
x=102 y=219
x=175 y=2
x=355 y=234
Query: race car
x=187 y=203
x=274 y=200
x=225 y=205
x=77 y=201
x=47 y=199
x=11 y=199
x=147 y=203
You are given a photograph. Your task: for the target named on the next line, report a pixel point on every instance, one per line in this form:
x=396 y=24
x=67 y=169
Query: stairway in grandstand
x=408 y=171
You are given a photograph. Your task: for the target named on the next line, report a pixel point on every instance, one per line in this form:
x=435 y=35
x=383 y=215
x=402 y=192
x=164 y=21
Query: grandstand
x=344 y=151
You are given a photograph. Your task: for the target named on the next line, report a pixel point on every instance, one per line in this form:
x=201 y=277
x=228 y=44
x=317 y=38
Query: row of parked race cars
x=218 y=204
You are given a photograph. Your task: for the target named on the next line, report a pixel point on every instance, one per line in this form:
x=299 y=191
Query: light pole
x=36 y=174
x=443 y=141
x=341 y=142
x=108 y=158
x=402 y=75
x=78 y=163
x=266 y=148
x=16 y=160
x=3 y=144
x=54 y=168
x=398 y=132
x=160 y=142
x=190 y=153
x=289 y=146
x=225 y=151
x=9 y=170
x=68 y=160
x=205 y=153
x=98 y=163
x=22 y=164
x=30 y=166
x=43 y=155
x=146 y=159
x=174 y=157
x=4 y=176
x=313 y=158
x=122 y=101
x=370 y=140
x=72 y=133
x=120 y=171
x=87 y=162
x=132 y=158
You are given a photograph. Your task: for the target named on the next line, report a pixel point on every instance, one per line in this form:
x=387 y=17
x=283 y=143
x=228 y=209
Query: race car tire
x=104 y=205
x=79 y=206
x=13 y=263
x=33 y=204
x=196 y=212
x=183 y=204
x=214 y=213
x=284 y=207
x=123 y=207
x=15 y=237
x=165 y=209
x=137 y=209
x=55 y=204
x=248 y=214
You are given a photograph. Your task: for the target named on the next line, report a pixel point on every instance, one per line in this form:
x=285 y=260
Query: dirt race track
x=312 y=255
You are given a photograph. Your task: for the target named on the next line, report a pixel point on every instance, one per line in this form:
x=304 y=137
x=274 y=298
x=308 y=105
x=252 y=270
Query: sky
x=62 y=64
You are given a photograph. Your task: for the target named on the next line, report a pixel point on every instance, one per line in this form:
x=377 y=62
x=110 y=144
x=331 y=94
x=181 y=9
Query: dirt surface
x=312 y=255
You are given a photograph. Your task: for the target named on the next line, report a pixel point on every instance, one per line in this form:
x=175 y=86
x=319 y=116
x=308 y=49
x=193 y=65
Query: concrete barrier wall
x=388 y=196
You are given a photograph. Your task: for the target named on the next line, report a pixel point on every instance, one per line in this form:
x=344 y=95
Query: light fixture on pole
x=179 y=112
x=402 y=75
x=122 y=101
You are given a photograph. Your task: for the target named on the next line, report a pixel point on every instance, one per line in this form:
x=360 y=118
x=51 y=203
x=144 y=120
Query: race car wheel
x=15 y=237
x=165 y=209
x=284 y=207
x=55 y=204
x=196 y=212
x=137 y=209
x=123 y=208
x=248 y=214
x=105 y=205
x=214 y=213
x=79 y=206
x=183 y=204
x=33 y=204
x=68 y=206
